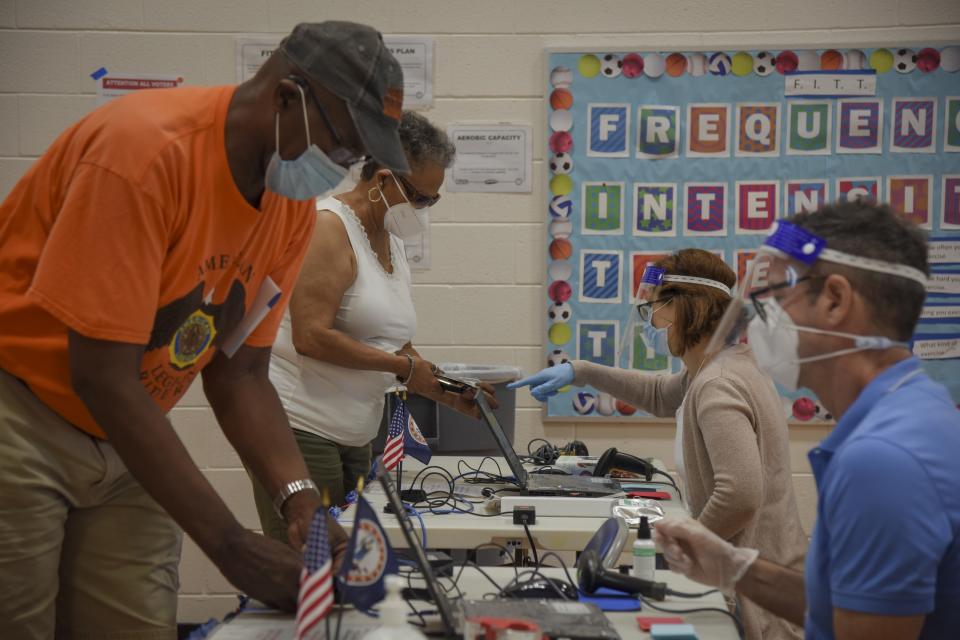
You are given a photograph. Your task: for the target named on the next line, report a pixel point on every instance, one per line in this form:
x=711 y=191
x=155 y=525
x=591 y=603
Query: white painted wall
x=482 y=301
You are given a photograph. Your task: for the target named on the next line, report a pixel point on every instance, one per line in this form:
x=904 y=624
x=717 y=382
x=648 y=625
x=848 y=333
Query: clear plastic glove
x=545 y=383
x=700 y=554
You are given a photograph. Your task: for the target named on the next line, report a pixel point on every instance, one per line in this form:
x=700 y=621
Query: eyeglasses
x=417 y=198
x=645 y=309
x=756 y=296
x=342 y=155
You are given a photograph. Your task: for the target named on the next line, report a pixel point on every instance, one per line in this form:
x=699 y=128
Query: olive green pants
x=332 y=466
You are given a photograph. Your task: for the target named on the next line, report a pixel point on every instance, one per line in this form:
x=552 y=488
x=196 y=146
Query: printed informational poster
x=415 y=55
x=491 y=158
x=251 y=54
x=649 y=152
x=112 y=86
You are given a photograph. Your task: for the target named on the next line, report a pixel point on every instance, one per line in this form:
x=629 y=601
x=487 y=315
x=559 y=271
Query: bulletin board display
x=650 y=152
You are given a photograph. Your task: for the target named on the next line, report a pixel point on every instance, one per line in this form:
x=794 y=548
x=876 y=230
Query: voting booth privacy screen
x=651 y=152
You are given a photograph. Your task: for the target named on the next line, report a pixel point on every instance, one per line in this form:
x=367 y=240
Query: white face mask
x=775 y=344
x=401 y=219
x=308 y=176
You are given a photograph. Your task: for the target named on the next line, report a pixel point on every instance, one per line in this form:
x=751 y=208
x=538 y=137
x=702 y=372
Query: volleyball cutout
x=561 y=207
x=719 y=64
x=763 y=63
x=584 y=403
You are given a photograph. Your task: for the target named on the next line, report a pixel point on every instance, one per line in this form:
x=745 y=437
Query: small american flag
x=393 y=450
x=316 y=579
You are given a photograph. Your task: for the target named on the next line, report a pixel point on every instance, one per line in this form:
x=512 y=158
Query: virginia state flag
x=414 y=444
x=368 y=559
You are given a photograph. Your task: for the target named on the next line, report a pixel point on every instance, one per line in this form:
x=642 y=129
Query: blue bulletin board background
x=598 y=243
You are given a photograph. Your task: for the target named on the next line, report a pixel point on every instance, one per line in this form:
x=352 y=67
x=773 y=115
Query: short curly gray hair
x=423 y=143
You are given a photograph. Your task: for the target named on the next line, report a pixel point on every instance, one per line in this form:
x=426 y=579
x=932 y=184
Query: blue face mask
x=656 y=339
x=308 y=176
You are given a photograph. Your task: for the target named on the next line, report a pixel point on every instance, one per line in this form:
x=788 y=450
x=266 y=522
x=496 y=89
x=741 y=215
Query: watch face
x=370 y=555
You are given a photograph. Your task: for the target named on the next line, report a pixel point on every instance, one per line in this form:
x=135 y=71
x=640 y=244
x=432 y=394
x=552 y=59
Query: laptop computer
x=542 y=484
x=556 y=618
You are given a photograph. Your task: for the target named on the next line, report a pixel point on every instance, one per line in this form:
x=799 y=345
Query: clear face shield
x=756 y=313
x=782 y=263
x=649 y=299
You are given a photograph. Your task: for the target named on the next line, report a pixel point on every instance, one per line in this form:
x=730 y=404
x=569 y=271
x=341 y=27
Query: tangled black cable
x=441 y=502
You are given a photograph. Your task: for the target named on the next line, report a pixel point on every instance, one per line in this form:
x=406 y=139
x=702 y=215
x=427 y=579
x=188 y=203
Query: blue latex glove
x=545 y=383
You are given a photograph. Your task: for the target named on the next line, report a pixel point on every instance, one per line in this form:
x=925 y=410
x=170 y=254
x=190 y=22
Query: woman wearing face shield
x=347 y=337
x=731 y=447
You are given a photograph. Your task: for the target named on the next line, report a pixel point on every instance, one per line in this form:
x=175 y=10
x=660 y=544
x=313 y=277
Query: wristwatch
x=289 y=489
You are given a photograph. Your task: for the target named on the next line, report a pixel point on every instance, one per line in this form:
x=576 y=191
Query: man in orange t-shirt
x=157 y=239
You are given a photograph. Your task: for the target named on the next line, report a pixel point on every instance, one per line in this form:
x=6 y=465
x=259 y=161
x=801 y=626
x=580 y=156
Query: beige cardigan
x=735 y=454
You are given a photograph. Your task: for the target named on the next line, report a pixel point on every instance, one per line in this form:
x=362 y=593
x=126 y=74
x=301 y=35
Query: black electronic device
x=592 y=575
x=541 y=589
x=542 y=484
x=557 y=618
x=608 y=542
x=455 y=385
x=612 y=460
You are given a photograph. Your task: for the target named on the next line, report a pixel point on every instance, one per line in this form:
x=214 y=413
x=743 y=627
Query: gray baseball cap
x=350 y=60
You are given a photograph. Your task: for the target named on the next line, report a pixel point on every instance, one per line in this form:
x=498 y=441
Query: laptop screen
x=413 y=541
x=513 y=460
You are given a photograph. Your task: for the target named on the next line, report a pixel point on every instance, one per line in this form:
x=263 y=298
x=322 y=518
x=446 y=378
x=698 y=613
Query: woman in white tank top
x=346 y=338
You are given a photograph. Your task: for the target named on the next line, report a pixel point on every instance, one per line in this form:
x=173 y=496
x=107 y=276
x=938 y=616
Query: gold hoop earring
x=370 y=195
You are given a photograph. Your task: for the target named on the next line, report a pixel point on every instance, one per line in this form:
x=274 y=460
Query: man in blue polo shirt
x=830 y=304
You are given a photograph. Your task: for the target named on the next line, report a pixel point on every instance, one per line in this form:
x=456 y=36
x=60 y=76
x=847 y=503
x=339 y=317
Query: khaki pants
x=84 y=551
x=331 y=465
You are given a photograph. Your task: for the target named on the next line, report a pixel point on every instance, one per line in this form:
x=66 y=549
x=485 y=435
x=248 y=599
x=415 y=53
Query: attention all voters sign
x=654 y=151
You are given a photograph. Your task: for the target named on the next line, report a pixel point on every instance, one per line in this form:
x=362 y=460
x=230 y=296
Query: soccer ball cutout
x=905 y=61
x=764 y=63
x=559 y=312
x=561 y=163
x=611 y=65
x=557 y=356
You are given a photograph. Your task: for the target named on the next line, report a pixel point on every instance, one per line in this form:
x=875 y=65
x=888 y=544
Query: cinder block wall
x=482 y=301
